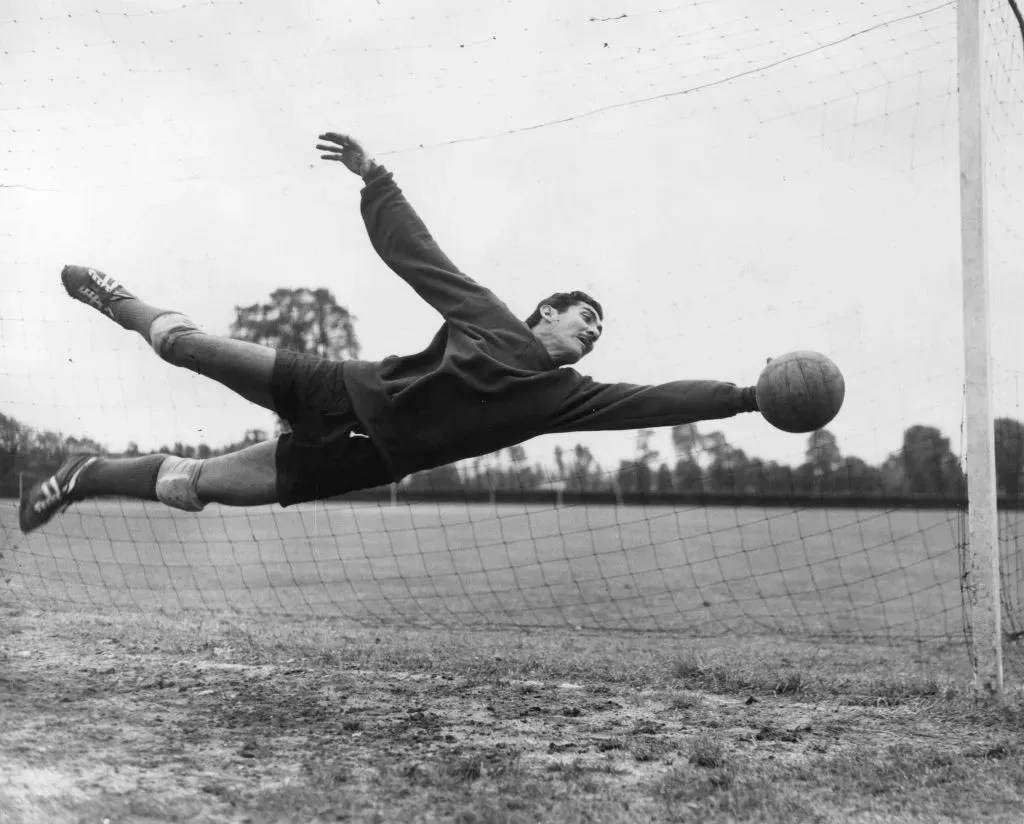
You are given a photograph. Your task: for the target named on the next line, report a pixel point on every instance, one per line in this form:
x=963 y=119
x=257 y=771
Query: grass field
x=580 y=665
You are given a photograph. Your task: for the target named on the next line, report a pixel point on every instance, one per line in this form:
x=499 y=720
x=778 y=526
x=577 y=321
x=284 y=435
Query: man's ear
x=548 y=312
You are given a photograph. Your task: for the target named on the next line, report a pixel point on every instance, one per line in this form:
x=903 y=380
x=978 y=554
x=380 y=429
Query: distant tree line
x=706 y=463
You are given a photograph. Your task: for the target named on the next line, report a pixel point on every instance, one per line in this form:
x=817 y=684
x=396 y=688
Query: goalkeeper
x=486 y=381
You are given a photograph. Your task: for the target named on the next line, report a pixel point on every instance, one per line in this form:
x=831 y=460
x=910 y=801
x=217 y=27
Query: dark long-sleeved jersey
x=485 y=382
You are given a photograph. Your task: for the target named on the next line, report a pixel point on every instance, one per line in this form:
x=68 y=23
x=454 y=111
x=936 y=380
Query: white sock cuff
x=176 y=482
x=167 y=328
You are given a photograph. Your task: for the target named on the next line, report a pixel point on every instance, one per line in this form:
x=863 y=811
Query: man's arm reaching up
x=403 y=241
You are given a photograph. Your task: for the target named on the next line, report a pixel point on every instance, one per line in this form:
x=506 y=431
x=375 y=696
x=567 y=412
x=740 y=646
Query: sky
x=731 y=181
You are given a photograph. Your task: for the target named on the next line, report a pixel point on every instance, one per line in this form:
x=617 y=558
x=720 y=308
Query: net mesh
x=731 y=181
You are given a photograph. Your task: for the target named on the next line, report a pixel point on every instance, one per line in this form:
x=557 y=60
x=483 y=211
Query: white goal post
x=982 y=569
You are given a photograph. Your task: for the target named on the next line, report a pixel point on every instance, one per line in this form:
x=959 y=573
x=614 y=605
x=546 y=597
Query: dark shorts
x=326 y=453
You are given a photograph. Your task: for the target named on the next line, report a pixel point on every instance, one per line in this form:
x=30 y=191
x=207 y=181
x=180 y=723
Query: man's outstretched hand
x=347 y=150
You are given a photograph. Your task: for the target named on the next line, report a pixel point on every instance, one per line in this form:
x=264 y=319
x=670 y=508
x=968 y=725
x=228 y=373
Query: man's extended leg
x=245 y=368
x=247 y=477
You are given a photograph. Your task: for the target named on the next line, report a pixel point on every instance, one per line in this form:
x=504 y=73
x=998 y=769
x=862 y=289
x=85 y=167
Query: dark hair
x=562 y=301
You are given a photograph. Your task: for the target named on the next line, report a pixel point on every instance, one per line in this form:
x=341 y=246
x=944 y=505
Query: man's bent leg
x=247 y=477
x=244 y=478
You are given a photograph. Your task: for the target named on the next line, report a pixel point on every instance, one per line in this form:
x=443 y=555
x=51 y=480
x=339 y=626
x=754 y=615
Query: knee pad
x=166 y=330
x=176 y=483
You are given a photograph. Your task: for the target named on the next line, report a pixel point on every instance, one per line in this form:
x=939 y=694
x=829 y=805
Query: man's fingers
x=333 y=157
x=325 y=148
x=342 y=139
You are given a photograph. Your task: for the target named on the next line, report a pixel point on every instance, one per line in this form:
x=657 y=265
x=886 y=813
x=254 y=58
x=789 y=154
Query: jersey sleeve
x=403 y=242
x=593 y=406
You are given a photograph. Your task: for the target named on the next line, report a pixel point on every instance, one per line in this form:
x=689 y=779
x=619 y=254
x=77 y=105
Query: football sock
x=136 y=315
x=124 y=477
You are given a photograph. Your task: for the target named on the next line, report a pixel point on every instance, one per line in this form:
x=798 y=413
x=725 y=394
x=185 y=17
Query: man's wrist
x=367 y=167
x=748 y=395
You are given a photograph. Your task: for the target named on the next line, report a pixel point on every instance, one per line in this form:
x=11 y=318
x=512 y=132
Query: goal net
x=731 y=181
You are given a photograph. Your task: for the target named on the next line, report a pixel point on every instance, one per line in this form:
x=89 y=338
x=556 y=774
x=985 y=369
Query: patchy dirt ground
x=123 y=722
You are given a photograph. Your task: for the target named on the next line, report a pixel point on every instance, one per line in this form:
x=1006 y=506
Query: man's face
x=574 y=332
